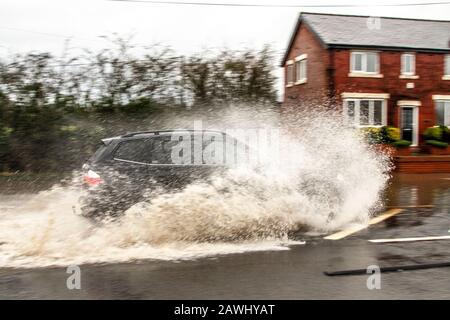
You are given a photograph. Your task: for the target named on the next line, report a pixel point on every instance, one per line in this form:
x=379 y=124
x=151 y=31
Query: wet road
x=288 y=274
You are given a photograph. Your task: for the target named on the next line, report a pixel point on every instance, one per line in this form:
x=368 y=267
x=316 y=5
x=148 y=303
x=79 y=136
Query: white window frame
x=446 y=70
x=403 y=64
x=290 y=78
x=357 y=102
x=446 y=111
x=301 y=69
x=364 y=71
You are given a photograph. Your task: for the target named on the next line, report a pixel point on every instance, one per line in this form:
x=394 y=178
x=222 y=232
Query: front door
x=409 y=124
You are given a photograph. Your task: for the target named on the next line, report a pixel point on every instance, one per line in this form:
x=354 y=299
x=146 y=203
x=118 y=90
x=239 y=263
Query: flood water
x=41 y=229
x=401 y=190
x=419 y=189
x=268 y=269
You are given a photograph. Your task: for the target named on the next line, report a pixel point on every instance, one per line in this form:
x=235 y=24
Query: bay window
x=365 y=112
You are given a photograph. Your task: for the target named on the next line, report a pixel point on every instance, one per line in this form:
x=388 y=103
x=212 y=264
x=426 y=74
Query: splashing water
x=326 y=179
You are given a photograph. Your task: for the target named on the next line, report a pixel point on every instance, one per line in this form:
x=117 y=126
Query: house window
x=443 y=112
x=289 y=73
x=447 y=65
x=300 y=69
x=364 y=62
x=408 y=62
x=297 y=71
x=365 y=112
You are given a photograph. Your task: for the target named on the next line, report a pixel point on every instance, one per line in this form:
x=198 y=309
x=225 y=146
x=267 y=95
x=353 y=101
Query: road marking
x=410 y=239
x=344 y=233
x=413 y=206
x=355 y=272
x=353 y=229
x=384 y=216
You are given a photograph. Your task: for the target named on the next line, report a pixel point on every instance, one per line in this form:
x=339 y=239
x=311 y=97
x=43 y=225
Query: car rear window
x=97 y=155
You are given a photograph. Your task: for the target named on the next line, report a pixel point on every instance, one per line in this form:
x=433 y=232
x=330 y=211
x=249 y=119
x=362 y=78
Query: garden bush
x=372 y=135
x=390 y=134
x=438 y=144
x=433 y=133
x=401 y=143
x=385 y=134
x=445 y=134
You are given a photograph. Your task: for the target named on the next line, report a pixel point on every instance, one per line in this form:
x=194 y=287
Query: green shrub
x=372 y=135
x=445 y=134
x=433 y=133
x=401 y=143
x=390 y=134
x=438 y=144
x=385 y=134
x=5 y=133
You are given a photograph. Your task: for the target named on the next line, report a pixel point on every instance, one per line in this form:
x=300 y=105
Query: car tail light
x=92 y=179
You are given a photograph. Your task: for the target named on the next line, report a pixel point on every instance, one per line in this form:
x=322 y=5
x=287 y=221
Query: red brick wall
x=311 y=92
x=429 y=68
x=424 y=164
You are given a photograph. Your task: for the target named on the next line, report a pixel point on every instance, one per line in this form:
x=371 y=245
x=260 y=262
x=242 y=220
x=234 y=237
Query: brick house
x=382 y=71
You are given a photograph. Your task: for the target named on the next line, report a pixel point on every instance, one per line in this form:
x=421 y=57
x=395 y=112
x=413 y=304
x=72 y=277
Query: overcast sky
x=42 y=25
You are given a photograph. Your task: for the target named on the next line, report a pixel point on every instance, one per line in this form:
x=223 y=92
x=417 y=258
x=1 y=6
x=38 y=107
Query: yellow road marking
x=344 y=233
x=410 y=239
x=384 y=216
x=353 y=229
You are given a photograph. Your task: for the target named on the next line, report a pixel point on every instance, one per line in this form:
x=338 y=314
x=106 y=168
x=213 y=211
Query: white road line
x=413 y=206
x=353 y=229
x=410 y=239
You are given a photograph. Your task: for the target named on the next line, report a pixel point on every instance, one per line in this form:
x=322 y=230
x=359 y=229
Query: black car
x=127 y=168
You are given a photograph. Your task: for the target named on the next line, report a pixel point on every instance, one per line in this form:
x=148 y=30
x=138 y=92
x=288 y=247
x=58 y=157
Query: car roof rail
x=157 y=132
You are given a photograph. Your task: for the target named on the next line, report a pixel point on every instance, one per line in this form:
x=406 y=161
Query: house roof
x=349 y=31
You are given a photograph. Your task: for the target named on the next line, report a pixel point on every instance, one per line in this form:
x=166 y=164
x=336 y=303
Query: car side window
x=162 y=150
x=213 y=148
x=158 y=149
x=138 y=150
x=154 y=150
